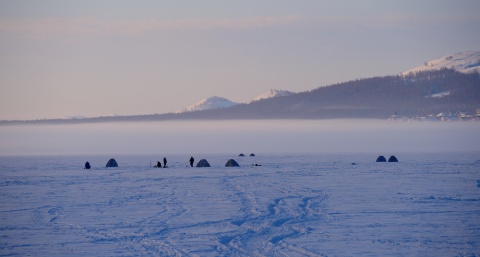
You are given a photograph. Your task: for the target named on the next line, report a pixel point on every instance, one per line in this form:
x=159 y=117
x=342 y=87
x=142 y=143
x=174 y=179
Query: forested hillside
x=419 y=94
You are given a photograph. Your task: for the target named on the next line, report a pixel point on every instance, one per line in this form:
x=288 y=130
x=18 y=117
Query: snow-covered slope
x=214 y=102
x=467 y=61
x=272 y=93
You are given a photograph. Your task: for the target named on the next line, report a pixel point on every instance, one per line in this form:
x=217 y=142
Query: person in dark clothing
x=191 y=161
x=87 y=166
x=164 y=162
x=159 y=165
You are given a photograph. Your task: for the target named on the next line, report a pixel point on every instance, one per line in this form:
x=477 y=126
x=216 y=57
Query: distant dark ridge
x=380 y=97
x=372 y=98
x=126 y=118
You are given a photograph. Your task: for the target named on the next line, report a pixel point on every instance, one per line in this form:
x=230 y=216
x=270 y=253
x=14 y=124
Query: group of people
x=159 y=165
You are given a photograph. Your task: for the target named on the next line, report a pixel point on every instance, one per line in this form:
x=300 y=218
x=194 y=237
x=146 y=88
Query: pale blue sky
x=96 y=58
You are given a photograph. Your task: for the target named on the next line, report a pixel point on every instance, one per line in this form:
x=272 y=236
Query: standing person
x=164 y=162
x=191 y=161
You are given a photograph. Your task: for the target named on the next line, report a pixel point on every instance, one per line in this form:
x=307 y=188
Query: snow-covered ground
x=292 y=205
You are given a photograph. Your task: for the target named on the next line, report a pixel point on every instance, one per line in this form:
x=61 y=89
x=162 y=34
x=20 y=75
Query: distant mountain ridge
x=420 y=93
x=468 y=61
x=210 y=103
x=216 y=102
x=273 y=93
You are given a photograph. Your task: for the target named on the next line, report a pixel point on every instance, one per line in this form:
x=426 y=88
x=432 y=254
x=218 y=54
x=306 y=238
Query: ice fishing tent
x=252 y=154
x=392 y=159
x=111 y=163
x=87 y=166
x=381 y=158
x=241 y=155
x=232 y=163
x=203 y=163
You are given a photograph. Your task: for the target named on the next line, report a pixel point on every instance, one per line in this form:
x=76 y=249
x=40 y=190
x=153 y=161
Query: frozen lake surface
x=292 y=205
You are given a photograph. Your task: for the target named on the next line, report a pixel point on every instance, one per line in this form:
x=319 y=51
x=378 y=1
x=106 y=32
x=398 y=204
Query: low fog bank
x=233 y=137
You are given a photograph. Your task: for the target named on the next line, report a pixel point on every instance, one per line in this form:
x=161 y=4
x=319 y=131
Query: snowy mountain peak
x=468 y=61
x=214 y=102
x=272 y=93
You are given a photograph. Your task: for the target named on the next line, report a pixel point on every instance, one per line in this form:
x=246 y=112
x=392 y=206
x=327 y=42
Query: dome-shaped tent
x=252 y=154
x=232 y=163
x=381 y=158
x=392 y=159
x=241 y=155
x=203 y=163
x=112 y=163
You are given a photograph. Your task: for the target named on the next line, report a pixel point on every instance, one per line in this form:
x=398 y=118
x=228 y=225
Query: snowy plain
x=292 y=205
x=307 y=199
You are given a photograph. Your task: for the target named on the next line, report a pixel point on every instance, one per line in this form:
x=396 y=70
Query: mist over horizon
x=234 y=137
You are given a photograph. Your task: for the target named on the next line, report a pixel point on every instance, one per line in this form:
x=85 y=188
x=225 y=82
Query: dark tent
x=112 y=163
x=392 y=159
x=252 y=154
x=203 y=163
x=87 y=166
x=232 y=163
x=381 y=158
x=241 y=155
